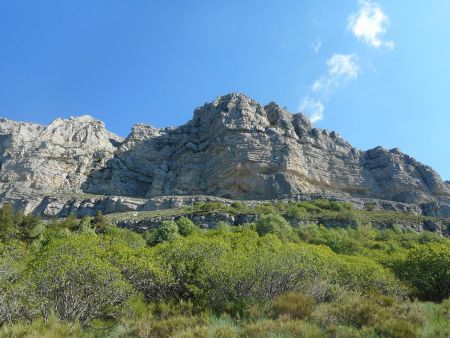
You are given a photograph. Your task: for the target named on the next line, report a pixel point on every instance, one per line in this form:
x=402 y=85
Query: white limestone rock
x=233 y=147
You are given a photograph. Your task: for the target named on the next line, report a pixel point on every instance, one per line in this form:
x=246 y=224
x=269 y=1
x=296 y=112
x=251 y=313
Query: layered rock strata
x=232 y=148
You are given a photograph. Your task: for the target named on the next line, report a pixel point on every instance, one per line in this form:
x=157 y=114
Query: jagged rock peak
x=239 y=112
x=232 y=99
x=83 y=129
x=142 y=131
x=79 y=118
x=233 y=108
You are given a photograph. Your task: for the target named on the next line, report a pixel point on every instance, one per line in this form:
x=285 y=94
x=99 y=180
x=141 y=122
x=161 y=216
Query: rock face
x=233 y=148
x=36 y=160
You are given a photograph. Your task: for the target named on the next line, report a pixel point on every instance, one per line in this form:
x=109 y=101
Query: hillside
x=299 y=269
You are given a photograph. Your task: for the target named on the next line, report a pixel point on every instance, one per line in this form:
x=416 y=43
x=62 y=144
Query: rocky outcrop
x=141 y=222
x=58 y=157
x=84 y=204
x=233 y=148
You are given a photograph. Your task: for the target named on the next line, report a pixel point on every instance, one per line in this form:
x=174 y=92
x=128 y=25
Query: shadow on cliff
x=128 y=173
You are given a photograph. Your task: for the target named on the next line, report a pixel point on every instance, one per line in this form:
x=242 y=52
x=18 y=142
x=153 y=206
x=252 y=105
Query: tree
x=140 y=268
x=295 y=212
x=186 y=227
x=13 y=254
x=186 y=259
x=273 y=224
x=30 y=227
x=99 y=222
x=427 y=268
x=74 y=279
x=167 y=231
x=7 y=226
x=71 y=222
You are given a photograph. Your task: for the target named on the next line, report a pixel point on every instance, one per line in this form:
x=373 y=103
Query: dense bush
x=427 y=268
x=86 y=277
x=167 y=231
x=186 y=227
x=273 y=224
x=74 y=279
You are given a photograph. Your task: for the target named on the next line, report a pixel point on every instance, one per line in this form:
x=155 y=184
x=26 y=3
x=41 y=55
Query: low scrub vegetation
x=273 y=278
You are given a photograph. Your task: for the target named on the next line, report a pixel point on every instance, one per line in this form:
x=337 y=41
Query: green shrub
x=186 y=227
x=265 y=209
x=28 y=227
x=427 y=268
x=296 y=212
x=364 y=275
x=209 y=207
x=295 y=305
x=350 y=310
x=141 y=269
x=186 y=258
x=72 y=278
x=126 y=237
x=7 y=224
x=273 y=224
x=310 y=207
x=258 y=269
x=239 y=207
x=99 y=222
x=167 y=231
x=223 y=227
x=71 y=222
x=430 y=237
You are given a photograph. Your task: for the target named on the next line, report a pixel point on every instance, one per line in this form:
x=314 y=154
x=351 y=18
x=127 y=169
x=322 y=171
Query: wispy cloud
x=316 y=45
x=369 y=24
x=313 y=108
x=341 y=69
x=343 y=66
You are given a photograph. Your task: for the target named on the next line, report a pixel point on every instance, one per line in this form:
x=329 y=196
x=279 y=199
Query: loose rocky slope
x=233 y=148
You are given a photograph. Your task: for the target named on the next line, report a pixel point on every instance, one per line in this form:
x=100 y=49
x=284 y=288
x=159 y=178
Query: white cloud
x=316 y=45
x=369 y=23
x=313 y=108
x=341 y=68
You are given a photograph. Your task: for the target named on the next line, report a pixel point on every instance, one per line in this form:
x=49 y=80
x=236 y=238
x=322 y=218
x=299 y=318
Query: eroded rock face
x=57 y=157
x=233 y=147
x=236 y=148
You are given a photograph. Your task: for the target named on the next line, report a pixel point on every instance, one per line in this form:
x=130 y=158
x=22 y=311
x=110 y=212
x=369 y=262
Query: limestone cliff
x=233 y=147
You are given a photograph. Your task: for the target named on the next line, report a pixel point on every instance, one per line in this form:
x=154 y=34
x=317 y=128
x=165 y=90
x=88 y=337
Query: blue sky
x=376 y=72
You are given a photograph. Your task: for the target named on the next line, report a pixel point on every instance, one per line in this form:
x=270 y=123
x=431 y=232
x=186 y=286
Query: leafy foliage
x=427 y=268
x=73 y=278
x=285 y=275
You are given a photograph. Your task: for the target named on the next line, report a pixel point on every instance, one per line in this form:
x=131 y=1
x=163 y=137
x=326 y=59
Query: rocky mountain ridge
x=233 y=148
